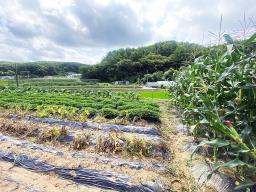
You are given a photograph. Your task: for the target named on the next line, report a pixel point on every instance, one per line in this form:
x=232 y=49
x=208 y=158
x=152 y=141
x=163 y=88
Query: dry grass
x=110 y=143
x=82 y=141
x=18 y=129
x=52 y=135
x=138 y=147
x=113 y=142
x=178 y=167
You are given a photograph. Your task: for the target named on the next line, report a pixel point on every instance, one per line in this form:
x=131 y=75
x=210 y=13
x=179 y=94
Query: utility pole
x=147 y=76
x=16 y=75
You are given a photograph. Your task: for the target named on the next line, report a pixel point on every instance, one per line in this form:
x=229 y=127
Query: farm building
x=160 y=83
x=72 y=75
x=6 y=77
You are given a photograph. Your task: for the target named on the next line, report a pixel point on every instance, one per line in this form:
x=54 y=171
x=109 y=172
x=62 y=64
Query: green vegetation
x=218 y=96
x=40 y=68
x=154 y=94
x=133 y=64
x=62 y=83
x=78 y=105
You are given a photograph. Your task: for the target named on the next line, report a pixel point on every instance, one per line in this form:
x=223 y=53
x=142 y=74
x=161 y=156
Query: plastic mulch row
x=79 y=175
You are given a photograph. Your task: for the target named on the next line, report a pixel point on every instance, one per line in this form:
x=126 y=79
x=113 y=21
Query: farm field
x=124 y=138
x=154 y=94
x=60 y=82
x=113 y=133
x=127 y=96
x=80 y=106
x=118 y=130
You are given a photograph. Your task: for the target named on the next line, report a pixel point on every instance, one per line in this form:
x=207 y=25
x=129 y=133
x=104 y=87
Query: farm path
x=178 y=167
x=184 y=174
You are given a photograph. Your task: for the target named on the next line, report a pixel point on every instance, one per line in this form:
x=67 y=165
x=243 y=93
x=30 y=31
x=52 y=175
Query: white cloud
x=84 y=30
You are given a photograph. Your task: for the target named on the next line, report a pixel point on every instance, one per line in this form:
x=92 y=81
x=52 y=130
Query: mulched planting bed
x=93 y=140
x=100 y=179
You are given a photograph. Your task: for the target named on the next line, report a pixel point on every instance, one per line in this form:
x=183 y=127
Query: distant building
x=121 y=83
x=160 y=84
x=72 y=75
x=7 y=77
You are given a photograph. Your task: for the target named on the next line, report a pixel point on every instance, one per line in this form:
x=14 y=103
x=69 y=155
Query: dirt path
x=178 y=167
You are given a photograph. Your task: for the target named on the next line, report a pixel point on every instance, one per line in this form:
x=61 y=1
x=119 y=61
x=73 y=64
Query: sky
x=85 y=30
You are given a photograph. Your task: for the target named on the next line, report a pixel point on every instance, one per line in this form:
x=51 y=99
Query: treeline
x=151 y=62
x=40 y=68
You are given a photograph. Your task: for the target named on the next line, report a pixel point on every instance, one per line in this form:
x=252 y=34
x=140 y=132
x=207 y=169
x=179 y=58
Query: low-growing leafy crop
x=109 y=113
x=143 y=113
x=78 y=106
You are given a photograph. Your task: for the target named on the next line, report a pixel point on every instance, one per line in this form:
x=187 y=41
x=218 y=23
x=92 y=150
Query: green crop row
x=79 y=106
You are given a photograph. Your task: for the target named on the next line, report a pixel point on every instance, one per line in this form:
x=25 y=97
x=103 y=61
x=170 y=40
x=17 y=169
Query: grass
x=154 y=94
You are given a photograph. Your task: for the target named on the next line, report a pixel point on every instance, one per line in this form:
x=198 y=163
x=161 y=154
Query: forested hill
x=133 y=63
x=40 y=68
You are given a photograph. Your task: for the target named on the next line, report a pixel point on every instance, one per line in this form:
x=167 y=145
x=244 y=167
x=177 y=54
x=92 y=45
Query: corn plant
x=218 y=96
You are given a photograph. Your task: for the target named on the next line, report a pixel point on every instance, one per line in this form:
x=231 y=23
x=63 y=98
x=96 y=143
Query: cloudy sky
x=85 y=30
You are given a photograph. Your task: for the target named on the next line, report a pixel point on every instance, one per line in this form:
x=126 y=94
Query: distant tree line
x=154 y=62
x=40 y=68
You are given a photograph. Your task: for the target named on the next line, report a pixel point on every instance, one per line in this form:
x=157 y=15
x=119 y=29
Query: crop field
x=125 y=138
x=61 y=83
x=80 y=106
x=90 y=133
x=154 y=94
x=78 y=112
